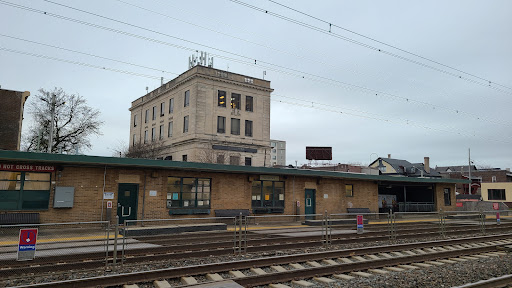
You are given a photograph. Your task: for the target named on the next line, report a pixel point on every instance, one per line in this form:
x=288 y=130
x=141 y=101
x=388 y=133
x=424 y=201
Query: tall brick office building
x=11 y=118
x=206 y=115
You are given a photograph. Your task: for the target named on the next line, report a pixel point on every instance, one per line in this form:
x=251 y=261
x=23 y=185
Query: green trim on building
x=63 y=159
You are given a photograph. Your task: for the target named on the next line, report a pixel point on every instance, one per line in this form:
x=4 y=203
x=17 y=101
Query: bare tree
x=209 y=156
x=74 y=122
x=150 y=150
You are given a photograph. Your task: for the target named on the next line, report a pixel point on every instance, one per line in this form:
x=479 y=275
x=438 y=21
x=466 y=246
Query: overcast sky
x=328 y=91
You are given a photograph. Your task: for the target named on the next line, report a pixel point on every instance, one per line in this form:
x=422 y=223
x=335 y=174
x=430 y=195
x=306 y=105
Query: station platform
x=172 y=229
x=334 y=222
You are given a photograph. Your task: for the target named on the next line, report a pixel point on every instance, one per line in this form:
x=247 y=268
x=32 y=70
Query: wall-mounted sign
x=152 y=192
x=108 y=195
x=109 y=204
x=27 y=167
x=269 y=178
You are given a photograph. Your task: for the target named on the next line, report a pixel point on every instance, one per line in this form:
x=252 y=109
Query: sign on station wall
x=27 y=168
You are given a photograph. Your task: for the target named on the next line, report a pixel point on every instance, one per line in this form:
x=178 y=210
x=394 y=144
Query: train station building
x=69 y=188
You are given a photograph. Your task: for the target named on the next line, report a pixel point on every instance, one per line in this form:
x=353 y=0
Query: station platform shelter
x=55 y=188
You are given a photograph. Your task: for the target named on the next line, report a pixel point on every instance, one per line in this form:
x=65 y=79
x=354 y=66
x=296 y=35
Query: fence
x=49 y=244
x=197 y=237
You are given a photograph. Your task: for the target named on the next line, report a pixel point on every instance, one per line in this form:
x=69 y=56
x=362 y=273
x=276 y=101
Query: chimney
x=427 y=164
x=389 y=156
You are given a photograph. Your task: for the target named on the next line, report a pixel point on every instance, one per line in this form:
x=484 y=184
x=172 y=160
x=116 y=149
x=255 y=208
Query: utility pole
x=469 y=162
x=52 y=118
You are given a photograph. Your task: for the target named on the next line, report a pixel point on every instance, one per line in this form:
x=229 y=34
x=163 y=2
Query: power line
x=485 y=83
x=272 y=67
x=306 y=104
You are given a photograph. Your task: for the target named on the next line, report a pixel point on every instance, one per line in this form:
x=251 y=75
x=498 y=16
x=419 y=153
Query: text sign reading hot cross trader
x=27 y=244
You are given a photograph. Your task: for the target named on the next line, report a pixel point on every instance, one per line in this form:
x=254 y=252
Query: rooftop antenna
x=264 y=73
x=228 y=68
x=161 y=81
x=147 y=89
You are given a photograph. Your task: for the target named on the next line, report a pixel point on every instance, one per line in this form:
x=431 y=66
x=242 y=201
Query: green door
x=309 y=204
x=127 y=202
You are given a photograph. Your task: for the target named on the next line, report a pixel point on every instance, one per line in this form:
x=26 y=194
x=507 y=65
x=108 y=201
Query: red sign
x=27 y=168
x=459 y=204
x=28 y=237
x=359 y=219
x=109 y=204
x=496 y=206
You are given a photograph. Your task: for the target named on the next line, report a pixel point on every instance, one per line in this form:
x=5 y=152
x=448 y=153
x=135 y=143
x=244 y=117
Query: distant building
x=397 y=167
x=206 y=115
x=11 y=118
x=478 y=176
x=278 y=153
x=344 y=168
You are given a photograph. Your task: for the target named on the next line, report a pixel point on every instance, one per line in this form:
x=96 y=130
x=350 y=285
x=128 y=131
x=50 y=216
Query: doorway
x=127 y=202
x=310 y=203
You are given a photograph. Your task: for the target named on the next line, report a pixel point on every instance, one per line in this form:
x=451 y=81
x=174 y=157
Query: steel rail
x=501 y=281
x=147 y=276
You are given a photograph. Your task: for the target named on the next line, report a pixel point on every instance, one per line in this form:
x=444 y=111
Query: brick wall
x=11 y=118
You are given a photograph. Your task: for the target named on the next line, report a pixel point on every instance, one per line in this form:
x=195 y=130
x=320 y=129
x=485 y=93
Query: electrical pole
x=52 y=117
x=469 y=163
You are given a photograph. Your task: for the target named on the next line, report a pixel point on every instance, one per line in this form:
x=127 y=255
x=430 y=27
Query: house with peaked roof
x=398 y=167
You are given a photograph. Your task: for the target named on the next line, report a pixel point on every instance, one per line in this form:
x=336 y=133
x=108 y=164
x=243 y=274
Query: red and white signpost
x=360 y=227
x=27 y=244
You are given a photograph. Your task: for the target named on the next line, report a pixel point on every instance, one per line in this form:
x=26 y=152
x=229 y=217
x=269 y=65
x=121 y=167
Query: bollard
x=498 y=220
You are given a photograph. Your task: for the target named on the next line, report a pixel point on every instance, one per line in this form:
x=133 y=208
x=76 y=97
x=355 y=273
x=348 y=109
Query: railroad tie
x=214 y=277
x=343 y=276
x=441 y=249
x=373 y=257
x=459 y=246
x=429 y=250
x=130 y=286
x=360 y=273
x=329 y=262
x=188 y=280
x=396 y=253
x=258 y=271
x=419 y=251
x=447 y=261
x=480 y=256
x=437 y=263
x=422 y=265
x=278 y=286
x=302 y=283
x=407 y=252
x=297 y=266
x=450 y=248
x=394 y=269
x=278 y=269
x=385 y=255
x=314 y=264
x=324 y=280
x=410 y=267
x=469 y=257
x=466 y=245
x=236 y=274
x=359 y=258
x=459 y=259
x=161 y=284
x=378 y=271
x=345 y=260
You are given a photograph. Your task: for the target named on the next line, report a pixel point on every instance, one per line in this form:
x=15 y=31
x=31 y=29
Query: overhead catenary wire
x=469 y=77
x=306 y=104
x=244 y=59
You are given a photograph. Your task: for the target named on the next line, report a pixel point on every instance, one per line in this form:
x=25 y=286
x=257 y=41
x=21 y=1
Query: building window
x=162 y=108
x=248 y=161
x=234 y=160
x=161 y=132
x=154 y=113
x=135 y=120
x=169 y=131
x=349 y=190
x=220 y=158
x=185 y=192
x=221 y=98
x=248 y=128
x=146 y=116
x=184 y=158
x=221 y=124
x=496 y=194
x=145 y=136
x=153 y=134
x=249 y=103
x=187 y=98
x=185 y=124
x=24 y=190
x=447 y=197
x=235 y=126
x=134 y=140
x=235 y=101
x=273 y=144
x=493 y=179
x=268 y=194
x=171 y=105
x=274 y=158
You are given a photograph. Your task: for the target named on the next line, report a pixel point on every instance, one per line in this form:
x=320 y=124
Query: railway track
x=209 y=249
x=337 y=264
